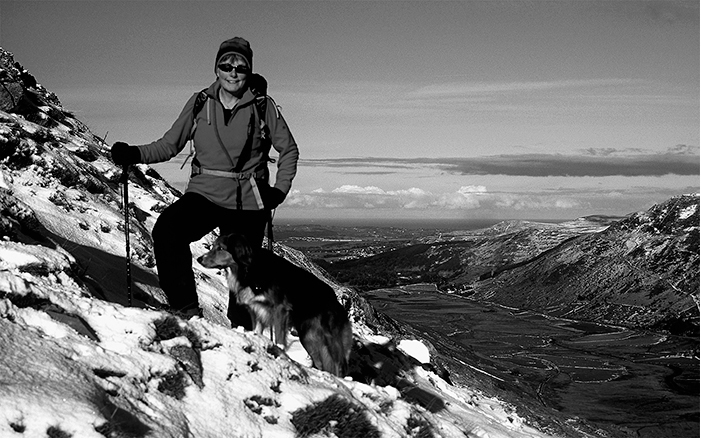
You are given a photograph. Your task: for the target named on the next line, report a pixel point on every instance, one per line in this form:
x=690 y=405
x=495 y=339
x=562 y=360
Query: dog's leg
x=343 y=344
x=319 y=343
x=257 y=324
x=280 y=325
x=329 y=346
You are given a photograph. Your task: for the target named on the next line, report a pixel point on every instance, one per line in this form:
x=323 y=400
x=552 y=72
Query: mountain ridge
x=650 y=260
x=503 y=263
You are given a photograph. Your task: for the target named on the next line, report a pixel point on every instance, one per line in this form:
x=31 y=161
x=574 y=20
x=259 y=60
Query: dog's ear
x=238 y=246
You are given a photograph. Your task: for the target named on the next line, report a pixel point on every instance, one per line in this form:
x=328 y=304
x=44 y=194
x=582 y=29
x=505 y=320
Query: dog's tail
x=328 y=346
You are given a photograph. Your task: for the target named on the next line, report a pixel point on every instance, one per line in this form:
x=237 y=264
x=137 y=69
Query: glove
x=273 y=197
x=125 y=154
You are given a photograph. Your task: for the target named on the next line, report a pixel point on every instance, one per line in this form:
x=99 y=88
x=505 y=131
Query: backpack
x=259 y=86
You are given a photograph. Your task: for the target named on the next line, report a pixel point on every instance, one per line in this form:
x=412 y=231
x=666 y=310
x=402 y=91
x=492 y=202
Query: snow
x=415 y=349
x=76 y=360
x=687 y=212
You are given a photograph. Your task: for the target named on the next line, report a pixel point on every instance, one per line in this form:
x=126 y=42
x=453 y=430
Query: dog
x=279 y=294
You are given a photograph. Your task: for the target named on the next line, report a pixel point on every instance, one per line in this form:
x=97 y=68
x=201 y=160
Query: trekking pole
x=125 y=180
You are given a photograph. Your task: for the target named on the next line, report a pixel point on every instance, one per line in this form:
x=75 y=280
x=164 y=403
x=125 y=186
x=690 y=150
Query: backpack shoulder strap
x=262 y=102
x=261 y=106
x=200 y=100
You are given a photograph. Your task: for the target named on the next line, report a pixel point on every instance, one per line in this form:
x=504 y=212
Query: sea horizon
x=406 y=223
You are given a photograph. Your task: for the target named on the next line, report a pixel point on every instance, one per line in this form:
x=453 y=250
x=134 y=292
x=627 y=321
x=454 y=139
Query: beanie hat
x=235 y=45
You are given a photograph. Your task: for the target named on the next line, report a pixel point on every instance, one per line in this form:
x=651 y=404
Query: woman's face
x=233 y=81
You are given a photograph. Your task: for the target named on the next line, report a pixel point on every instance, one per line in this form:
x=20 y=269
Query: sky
x=406 y=109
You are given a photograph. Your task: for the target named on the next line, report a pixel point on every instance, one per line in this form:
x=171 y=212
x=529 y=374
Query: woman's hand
x=125 y=154
x=273 y=197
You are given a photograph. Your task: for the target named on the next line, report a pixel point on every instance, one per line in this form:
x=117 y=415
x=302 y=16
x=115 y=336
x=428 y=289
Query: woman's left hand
x=273 y=197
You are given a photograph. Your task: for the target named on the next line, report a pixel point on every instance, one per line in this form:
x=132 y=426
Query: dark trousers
x=187 y=220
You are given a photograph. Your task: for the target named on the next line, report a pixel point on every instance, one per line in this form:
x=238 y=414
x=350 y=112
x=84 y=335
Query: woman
x=228 y=187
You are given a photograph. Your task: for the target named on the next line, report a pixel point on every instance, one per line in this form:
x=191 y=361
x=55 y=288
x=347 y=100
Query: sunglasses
x=229 y=67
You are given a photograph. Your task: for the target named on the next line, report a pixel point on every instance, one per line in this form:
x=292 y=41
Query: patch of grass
x=170 y=327
x=275 y=350
x=386 y=406
x=18 y=427
x=59 y=199
x=173 y=384
x=54 y=431
x=8 y=146
x=42 y=136
x=16 y=153
x=418 y=427
x=334 y=415
x=65 y=176
x=256 y=403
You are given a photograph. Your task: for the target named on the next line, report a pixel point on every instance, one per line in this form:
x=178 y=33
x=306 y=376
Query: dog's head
x=232 y=252
x=228 y=251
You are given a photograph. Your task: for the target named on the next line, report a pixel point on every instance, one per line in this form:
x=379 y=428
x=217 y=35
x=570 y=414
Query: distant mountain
x=78 y=361
x=641 y=271
x=455 y=259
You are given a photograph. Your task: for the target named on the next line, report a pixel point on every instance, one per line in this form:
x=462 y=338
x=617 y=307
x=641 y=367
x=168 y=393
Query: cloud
x=434 y=91
x=680 y=149
x=477 y=201
x=373 y=197
x=679 y=160
x=611 y=151
x=545 y=165
x=352 y=189
x=684 y=150
x=465 y=198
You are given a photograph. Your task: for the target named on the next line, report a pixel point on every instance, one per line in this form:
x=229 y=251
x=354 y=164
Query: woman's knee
x=164 y=230
x=177 y=223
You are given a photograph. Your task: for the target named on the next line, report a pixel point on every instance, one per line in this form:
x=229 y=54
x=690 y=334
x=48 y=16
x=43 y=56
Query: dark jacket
x=240 y=136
